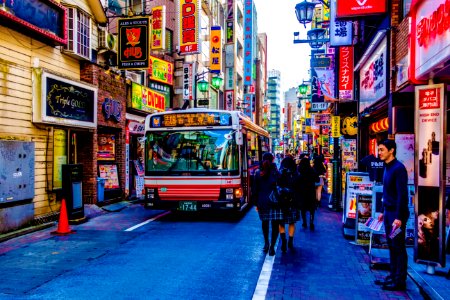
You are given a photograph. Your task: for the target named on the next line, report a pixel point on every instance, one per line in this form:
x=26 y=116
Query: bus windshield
x=194 y=152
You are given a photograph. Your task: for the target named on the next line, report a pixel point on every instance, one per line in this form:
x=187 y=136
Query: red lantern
x=376 y=127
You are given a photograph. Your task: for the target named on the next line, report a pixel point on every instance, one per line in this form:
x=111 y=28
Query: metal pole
x=195 y=90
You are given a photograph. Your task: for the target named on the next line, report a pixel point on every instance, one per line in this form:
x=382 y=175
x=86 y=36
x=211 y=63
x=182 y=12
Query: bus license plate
x=188 y=206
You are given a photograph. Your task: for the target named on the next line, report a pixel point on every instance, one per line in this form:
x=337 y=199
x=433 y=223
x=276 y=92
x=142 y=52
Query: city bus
x=199 y=159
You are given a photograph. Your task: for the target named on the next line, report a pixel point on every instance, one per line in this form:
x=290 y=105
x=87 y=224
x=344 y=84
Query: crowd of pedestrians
x=284 y=194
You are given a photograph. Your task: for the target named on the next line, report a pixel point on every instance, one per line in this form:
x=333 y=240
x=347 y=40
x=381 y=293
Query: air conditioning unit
x=107 y=41
x=133 y=77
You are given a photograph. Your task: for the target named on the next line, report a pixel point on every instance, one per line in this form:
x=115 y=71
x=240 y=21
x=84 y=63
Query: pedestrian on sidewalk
x=395 y=214
x=305 y=191
x=321 y=170
x=290 y=214
x=265 y=181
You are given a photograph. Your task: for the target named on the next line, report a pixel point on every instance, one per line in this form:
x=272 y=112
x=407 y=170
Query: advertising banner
x=364 y=212
x=106 y=147
x=109 y=172
x=189 y=26
x=248 y=44
x=158 y=35
x=341 y=31
x=345 y=73
x=146 y=99
x=405 y=153
x=326 y=82
x=229 y=100
x=59 y=156
x=133 y=43
x=215 y=53
x=373 y=77
x=353 y=8
x=430 y=110
x=335 y=126
x=189 y=70
x=357 y=183
x=160 y=70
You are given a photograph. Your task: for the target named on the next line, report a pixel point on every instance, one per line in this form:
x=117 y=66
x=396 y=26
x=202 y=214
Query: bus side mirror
x=239 y=138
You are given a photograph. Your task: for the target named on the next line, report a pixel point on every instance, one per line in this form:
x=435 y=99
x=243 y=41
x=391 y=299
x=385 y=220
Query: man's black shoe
x=383 y=281
x=394 y=286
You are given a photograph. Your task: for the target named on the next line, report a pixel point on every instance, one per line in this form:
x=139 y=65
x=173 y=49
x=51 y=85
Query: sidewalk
x=325 y=265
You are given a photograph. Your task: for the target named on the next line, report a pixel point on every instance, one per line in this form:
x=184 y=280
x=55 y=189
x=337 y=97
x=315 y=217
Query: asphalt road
x=173 y=257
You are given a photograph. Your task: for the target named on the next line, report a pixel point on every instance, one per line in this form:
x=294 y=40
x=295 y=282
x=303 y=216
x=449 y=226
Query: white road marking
x=264 y=278
x=148 y=221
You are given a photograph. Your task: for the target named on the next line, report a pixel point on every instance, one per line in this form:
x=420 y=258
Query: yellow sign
x=215 y=50
x=59 y=156
x=161 y=70
x=189 y=26
x=335 y=126
x=158 y=35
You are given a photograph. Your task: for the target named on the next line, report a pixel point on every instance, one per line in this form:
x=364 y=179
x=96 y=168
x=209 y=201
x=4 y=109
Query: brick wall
x=399 y=38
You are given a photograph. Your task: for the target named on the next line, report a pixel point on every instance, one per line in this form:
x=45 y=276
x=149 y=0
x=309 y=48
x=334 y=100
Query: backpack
x=285 y=189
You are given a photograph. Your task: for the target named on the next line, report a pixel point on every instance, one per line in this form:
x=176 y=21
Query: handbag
x=281 y=197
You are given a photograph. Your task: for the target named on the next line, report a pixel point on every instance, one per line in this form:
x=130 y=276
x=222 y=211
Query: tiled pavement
x=325 y=265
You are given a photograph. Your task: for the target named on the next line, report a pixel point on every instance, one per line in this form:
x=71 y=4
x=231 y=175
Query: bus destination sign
x=191 y=120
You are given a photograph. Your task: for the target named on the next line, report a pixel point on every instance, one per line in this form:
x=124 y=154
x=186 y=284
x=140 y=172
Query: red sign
x=189 y=26
x=346 y=73
x=352 y=8
x=429 y=98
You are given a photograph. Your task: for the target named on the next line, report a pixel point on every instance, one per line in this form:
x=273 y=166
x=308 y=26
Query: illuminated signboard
x=346 y=73
x=191 y=120
x=145 y=99
x=158 y=35
x=346 y=8
x=161 y=70
x=189 y=26
x=215 y=54
x=133 y=43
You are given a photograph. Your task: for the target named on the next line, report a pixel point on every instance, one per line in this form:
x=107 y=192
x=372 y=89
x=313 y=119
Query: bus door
x=245 y=175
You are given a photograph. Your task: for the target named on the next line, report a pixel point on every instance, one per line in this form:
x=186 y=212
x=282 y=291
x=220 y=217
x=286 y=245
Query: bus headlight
x=238 y=193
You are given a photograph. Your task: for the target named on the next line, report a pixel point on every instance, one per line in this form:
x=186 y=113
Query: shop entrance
x=136 y=166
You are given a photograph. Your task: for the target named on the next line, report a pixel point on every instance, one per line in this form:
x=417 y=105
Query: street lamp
x=303 y=88
x=304 y=12
x=217 y=82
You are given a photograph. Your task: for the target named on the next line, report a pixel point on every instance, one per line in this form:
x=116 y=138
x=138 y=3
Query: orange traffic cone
x=63 y=224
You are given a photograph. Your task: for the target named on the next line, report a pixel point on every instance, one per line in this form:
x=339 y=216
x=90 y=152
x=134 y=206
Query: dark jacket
x=395 y=190
x=263 y=186
x=305 y=190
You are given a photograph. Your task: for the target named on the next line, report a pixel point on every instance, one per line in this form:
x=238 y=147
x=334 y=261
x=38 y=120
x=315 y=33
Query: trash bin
x=100 y=189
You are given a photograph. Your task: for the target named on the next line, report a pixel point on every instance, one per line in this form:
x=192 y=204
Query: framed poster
x=364 y=212
x=106 y=147
x=110 y=174
x=358 y=183
x=405 y=153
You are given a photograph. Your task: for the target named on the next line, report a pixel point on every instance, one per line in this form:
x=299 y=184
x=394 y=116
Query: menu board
x=110 y=174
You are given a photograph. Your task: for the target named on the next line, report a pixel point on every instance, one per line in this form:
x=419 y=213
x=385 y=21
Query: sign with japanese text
x=229 y=78
x=146 y=99
x=161 y=89
x=229 y=100
x=346 y=73
x=158 y=28
x=322 y=119
x=430 y=35
x=352 y=8
x=133 y=43
x=335 y=126
x=215 y=53
x=189 y=26
x=364 y=212
x=247 y=104
x=248 y=42
x=373 y=77
x=188 y=80
x=341 y=31
x=319 y=106
x=230 y=22
x=160 y=70
x=430 y=139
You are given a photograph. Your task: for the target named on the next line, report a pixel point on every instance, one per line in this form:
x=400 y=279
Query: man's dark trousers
x=397 y=249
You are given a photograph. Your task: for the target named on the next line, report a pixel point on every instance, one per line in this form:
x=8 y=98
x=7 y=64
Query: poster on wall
x=405 y=153
x=59 y=156
x=430 y=109
x=106 y=147
x=358 y=183
x=109 y=173
x=364 y=212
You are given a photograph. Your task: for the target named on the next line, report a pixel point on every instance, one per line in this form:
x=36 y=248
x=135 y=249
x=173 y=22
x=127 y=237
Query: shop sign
x=430 y=129
x=133 y=43
x=430 y=35
x=146 y=99
x=326 y=83
x=229 y=78
x=136 y=127
x=215 y=52
x=64 y=102
x=335 y=126
x=158 y=35
x=230 y=21
x=341 y=31
x=189 y=26
x=346 y=8
x=248 y=43
x=188 y=80
x=160 y=70
x=161 y=89
x=346 y=73
x=322 y=62
x=322 y=119
x=59 y=156
x=402 y=71
x=229 y=100
x=46 y=18
x=373 y=77
x=112 y=109
x=319 y=106
x=106 y=147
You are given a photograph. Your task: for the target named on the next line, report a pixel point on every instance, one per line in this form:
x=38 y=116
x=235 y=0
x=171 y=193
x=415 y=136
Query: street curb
x=20 y=232
x=425 y=289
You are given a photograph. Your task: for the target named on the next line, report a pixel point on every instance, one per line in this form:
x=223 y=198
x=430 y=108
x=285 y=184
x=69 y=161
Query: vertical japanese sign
x=215 y=54
x=229 y=100
x=430 y=129
x=341 y=32
x=335 y=126
x=133 y=43
x=189 y=26
x=188 y=80
x=346 y=73
x=158 y=28
x=364 y=212
x=248 y=56
x=230 y=22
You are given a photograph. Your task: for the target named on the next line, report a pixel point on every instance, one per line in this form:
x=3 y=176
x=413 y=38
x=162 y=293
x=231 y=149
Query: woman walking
x=290 y=214
x=305 y=191
x=320 y=169
x=265 y=181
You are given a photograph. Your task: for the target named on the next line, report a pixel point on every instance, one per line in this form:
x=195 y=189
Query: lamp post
x=202 y=85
